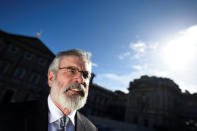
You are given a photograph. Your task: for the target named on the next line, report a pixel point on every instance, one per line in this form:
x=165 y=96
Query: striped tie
x=63 y=122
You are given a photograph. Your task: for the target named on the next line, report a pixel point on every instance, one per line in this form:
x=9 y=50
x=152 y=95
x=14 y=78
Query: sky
x=127 y=38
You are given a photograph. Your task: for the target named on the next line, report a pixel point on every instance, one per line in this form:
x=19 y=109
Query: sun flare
x=179 y=53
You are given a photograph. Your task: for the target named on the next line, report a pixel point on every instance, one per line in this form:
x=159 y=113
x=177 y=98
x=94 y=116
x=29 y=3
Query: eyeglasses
x=72 y=71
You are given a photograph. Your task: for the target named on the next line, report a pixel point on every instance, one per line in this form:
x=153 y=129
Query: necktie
x=63 y=122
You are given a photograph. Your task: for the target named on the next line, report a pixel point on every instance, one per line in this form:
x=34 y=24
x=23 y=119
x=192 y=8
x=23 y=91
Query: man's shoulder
x=86 y=122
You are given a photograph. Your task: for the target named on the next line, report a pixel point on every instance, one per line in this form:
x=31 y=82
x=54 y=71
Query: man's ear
x=50 y=78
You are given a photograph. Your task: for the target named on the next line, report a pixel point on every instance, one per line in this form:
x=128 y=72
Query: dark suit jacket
x=33 y=116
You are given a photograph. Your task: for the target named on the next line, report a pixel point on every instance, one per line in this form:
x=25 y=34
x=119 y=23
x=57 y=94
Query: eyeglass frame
x=76 y=71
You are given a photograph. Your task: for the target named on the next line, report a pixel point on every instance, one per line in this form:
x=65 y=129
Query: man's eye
x=71 y=70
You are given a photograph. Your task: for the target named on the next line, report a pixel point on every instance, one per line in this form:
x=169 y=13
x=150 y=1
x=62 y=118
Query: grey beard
x=73 y=102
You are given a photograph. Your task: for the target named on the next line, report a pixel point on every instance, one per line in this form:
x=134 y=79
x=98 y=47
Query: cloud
x=114 y=81
x=94 y=65
x=139 y=48
x=181 y=50
x=175 y=59
x=126 y=54
x=153 y=46
x=136 y=67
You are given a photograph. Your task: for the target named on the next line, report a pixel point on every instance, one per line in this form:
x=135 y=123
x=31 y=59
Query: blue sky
x=127 y=38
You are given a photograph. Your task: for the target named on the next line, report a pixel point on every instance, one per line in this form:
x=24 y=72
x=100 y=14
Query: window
x=34 y=78
x=19 y=73
x=28 y=56
x=2 y=44
x=4 y=67
x=12 y=49
x=1 y=41
x=42 y=61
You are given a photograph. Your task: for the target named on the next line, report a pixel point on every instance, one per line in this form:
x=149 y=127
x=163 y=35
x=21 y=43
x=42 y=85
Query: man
x=68 y=79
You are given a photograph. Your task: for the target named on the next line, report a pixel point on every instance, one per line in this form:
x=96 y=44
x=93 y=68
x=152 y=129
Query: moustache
x=79 y=87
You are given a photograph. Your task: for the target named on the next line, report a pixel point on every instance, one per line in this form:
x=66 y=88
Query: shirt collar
x=55 y=113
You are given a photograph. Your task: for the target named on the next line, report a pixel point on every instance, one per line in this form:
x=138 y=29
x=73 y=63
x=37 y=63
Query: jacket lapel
x=79 y=122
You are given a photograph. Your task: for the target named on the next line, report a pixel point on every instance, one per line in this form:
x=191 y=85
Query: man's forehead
x=74 y=60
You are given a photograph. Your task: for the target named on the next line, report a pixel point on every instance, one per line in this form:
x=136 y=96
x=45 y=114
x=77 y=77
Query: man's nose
x=79 y=78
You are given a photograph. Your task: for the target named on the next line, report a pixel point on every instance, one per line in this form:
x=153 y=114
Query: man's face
x=69 y=87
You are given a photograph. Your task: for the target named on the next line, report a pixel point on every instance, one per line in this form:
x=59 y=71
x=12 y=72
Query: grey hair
x=85 y=56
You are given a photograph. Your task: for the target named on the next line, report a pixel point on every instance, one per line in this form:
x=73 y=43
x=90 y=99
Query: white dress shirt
x=54 y=116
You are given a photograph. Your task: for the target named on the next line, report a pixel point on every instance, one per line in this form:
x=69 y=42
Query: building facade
x=159 y=103
x=105 y=103
x=188 y=111
x=24 y=63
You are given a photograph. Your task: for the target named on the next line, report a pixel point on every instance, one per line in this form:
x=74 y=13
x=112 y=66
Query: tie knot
x=63 y=121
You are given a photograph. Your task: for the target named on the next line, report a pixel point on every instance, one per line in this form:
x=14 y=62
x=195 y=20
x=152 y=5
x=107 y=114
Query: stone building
x=188 y=113
x=105 y=103
x=159 y=103
x=24 y=63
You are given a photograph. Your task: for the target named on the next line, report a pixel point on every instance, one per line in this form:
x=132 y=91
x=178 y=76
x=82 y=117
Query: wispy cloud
x=94 y=65
x=139 y=48
x=153 y=46
x=126 y=54
x=116 y=81
x=137 y=67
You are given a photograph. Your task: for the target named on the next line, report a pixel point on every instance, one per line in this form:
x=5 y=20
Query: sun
x=180 y=52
